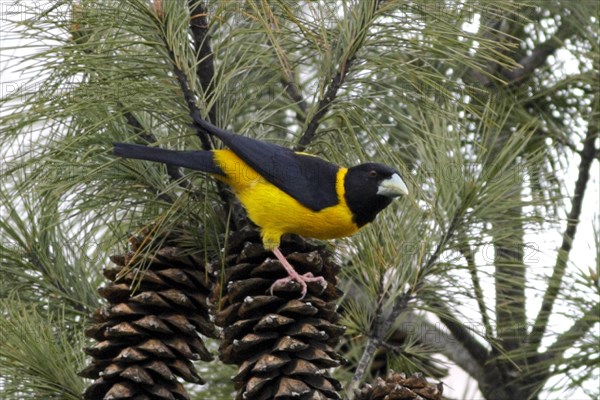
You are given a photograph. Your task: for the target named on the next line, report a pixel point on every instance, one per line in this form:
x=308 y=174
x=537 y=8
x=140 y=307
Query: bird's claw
x=302 y=280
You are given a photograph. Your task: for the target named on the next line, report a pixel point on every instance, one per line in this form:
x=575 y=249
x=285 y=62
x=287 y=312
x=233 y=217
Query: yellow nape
x=275 y=212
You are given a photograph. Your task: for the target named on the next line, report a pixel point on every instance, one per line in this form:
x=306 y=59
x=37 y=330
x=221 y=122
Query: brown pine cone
x=283 y=345
x=149 y=332
x=397 y=386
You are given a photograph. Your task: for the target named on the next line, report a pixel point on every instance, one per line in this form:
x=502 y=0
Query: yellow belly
x=276 y=213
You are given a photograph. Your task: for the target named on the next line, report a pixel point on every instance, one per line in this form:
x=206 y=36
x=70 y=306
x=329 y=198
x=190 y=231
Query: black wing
x=310 y=180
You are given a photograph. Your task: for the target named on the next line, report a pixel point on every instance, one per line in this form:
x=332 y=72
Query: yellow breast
x=275 y=212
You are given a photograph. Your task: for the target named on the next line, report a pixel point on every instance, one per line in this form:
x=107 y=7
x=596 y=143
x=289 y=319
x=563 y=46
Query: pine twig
x=374 y=338
x=288 y=81
x=334 y=86
x=383 y=324
x=587 y=157
x=291 y=88
x=34 y=260
x=190 y=100
x=137 y=127
x=459 y=331
x=183 y=81
x=324 y=105
x=204 y=56
x=134 y=123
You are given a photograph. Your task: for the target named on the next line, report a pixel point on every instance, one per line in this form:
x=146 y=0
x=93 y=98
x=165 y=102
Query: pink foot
x=295 y=276
x=301 y=279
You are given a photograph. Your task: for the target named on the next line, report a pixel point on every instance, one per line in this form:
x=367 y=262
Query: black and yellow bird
x=285 y=191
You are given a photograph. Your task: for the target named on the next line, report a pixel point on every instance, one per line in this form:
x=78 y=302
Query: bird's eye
x=373 y=174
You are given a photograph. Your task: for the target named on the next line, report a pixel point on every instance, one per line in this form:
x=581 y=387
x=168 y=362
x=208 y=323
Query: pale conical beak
x=393 y=187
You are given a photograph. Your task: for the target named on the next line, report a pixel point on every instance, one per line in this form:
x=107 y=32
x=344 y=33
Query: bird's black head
x=369 y=188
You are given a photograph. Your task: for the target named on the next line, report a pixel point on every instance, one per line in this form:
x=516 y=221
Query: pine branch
x=137 y=127
x=227 y=198
x=382 y=324
x=529 y=63
x=291 y=88
x=204 y=56
x=459 y=331
x=541 y=363
x=495 y=30
x=470 y=257
x=441 y=342
x=509 y=275
x=539 y=55
x=337 y=81
x=577 y=331
x=588 y=153
x=374 y=338
x=462 y=334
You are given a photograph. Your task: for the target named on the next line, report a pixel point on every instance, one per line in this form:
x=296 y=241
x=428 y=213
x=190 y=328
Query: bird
x=284 y=191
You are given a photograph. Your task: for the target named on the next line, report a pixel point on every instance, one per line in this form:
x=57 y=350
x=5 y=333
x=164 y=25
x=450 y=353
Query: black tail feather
x=197 y=160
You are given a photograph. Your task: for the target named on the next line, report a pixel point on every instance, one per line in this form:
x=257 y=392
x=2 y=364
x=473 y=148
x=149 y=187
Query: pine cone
x=282 y=344
x=149 y=331
x=399 y=387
